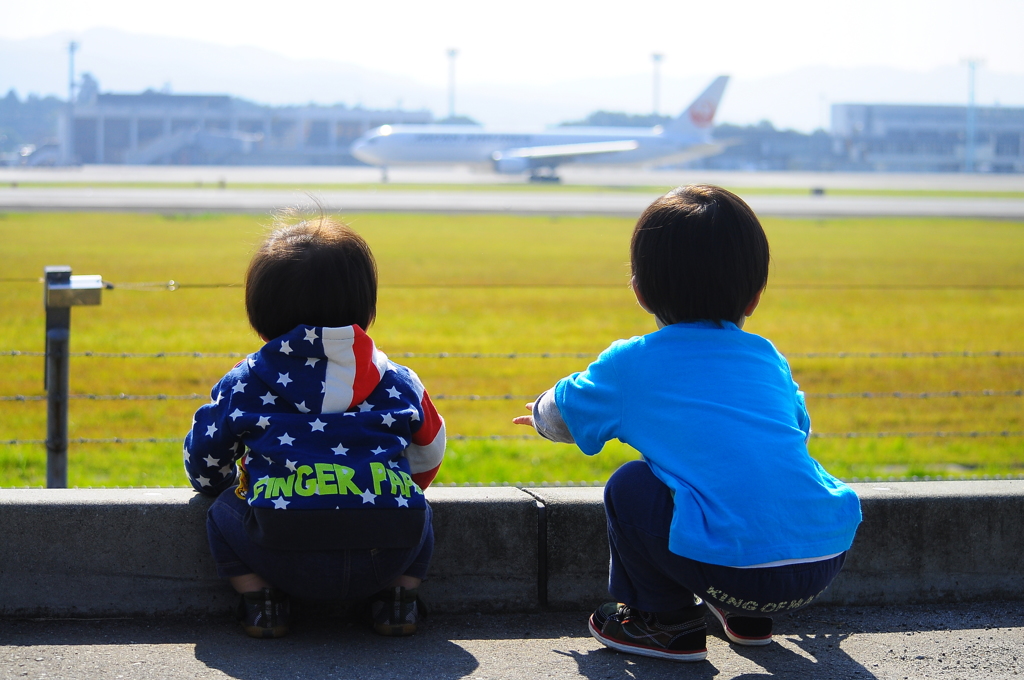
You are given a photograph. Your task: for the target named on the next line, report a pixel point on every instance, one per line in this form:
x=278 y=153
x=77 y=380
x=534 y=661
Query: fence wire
x=530 y=355
x=173 y=285
x=1005 y=434
x=955 y=394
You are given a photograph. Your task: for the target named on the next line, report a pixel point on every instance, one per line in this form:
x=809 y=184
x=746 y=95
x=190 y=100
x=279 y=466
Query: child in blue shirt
x=727 y=510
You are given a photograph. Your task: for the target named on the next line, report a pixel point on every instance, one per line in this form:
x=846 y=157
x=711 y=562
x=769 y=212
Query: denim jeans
x=340 y=574
x=646 y=575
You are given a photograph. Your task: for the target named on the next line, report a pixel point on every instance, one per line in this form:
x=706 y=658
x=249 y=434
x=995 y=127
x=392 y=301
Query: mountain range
x=799 y=99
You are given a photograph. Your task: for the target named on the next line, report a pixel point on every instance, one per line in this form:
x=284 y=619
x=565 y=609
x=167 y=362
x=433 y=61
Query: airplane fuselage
x=431 y=144
x=539 y=153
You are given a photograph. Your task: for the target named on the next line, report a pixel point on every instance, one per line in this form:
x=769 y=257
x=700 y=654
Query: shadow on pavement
x=335 y=650
x=814 y=643
x=606 y=663
x=827 y=659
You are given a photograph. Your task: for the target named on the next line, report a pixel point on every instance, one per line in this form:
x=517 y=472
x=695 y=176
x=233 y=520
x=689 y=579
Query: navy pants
x=313 y=574
x=644 y=574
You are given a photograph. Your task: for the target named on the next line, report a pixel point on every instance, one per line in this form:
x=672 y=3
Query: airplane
x=540 y=153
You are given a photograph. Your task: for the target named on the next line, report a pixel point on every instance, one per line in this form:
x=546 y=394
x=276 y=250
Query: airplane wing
x=529 y=157
x=568 y=150
x=693 y=152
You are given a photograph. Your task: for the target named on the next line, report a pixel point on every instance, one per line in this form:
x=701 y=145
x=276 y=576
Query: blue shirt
x=716 y=414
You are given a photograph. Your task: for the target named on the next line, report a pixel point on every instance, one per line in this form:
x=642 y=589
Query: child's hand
x=525 y=420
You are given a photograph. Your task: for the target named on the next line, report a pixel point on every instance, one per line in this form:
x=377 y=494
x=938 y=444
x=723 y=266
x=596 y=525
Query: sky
x=544 y=41
x=530 y=63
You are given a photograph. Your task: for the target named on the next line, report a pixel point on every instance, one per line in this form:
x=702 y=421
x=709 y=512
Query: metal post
x=656 y=90
x=971 y=128
x=58 y=336
x=61 y=291
x=70 y=153
x=56 y=317
x=452 y=53
x=57 y=340
x=970 y=146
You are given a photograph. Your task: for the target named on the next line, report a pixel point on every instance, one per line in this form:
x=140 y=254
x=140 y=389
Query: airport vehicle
x=540 y=153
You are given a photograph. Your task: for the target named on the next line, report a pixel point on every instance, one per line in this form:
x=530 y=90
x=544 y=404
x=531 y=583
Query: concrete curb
x=129 y=552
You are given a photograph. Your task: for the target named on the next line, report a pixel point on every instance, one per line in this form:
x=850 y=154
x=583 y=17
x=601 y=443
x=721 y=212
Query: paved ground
x=964 y=642
x=211 y=175
x=233 y=196
x=517 y=202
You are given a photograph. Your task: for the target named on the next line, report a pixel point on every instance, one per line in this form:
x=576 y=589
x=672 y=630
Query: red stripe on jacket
x=367 y=375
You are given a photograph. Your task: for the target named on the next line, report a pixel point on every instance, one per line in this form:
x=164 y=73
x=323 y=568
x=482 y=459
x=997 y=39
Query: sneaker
x=622 y=628
x=396 y=611
x=753 y=631
x=265 y=613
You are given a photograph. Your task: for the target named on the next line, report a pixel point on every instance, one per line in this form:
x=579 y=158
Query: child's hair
x=318 y=272
x=699 y=253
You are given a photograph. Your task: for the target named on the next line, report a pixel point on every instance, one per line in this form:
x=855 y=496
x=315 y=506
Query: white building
x=162 y=128
x=910 y=138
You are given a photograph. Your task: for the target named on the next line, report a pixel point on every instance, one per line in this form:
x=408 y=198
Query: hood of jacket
x=320 y=369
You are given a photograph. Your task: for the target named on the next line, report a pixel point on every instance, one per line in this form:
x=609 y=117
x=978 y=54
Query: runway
x=523 y=202
x=584 y=192
x=572 y=175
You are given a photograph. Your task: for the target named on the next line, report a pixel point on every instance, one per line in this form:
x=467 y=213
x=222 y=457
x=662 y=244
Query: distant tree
x=620 y=119
x=456 y=120
x=32 y=121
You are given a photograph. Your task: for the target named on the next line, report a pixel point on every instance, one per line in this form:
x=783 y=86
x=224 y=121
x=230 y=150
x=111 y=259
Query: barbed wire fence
x=172 y=285
x=956 y=394
x=901 y=394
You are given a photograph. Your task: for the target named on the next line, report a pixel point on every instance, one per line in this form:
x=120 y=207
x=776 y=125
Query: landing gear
x=544 y=175
x=384 y=174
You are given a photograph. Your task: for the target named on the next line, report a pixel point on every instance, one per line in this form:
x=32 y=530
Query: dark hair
x=318 y=272
x=699 y=253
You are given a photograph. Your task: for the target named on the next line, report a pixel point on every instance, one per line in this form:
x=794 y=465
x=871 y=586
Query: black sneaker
x=396 y=611
x=634 y=631
x=265 y=613
x=753 y=631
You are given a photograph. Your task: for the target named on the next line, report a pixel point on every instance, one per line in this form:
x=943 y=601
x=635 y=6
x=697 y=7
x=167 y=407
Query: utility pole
x=656 y=59
x=69 y=153
x=452 y=54
x=969 y=149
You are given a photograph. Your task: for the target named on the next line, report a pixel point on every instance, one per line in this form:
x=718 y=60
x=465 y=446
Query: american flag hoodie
x=318 y=419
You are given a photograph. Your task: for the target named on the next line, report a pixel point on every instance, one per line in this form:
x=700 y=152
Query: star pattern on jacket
x=303 y=431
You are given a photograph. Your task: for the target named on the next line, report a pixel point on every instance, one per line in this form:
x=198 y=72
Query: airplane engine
x=511 y=165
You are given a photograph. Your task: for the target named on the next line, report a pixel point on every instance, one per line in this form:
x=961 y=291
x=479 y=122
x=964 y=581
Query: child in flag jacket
x=317 y=446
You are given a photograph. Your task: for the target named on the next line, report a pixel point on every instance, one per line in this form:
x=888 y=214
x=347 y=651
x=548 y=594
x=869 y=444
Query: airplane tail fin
x=700 y=115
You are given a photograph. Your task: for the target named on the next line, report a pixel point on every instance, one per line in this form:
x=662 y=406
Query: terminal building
x=907 y=138
x=879 y=138
x=162 y=128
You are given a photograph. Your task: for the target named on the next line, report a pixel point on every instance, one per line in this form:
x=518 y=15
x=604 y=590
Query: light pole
x=452 y=54
x=969 y=150
x=69 y=153
x=656 y=59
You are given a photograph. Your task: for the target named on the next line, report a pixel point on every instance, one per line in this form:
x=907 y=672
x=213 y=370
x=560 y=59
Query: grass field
x=517 y=186
x=502 y=284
